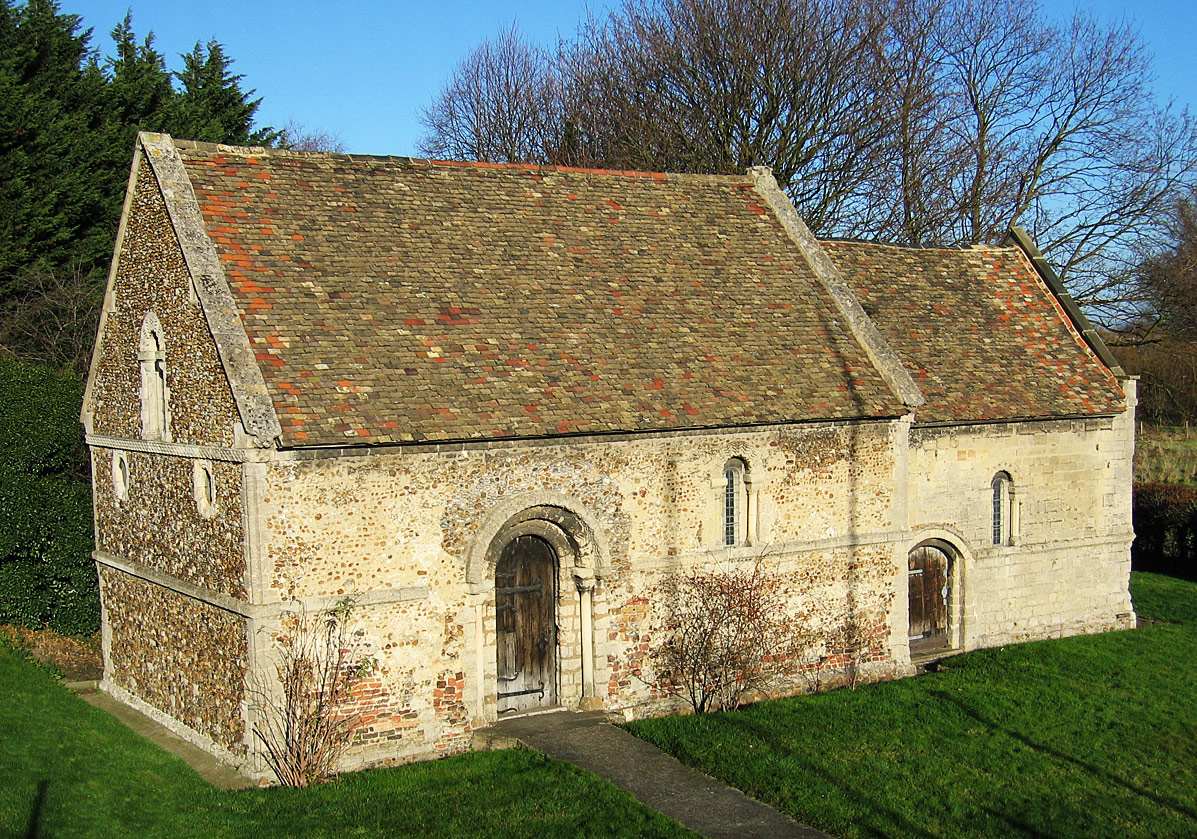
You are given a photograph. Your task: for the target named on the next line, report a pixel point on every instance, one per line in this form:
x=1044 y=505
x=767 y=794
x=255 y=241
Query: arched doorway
x=929 y=576
x=526 y=624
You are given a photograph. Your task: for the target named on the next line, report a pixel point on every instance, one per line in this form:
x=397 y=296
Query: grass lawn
x=69 y=770
x=1083 y=737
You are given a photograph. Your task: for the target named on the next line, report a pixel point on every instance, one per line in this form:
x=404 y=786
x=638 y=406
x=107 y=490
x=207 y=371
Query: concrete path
x=209 y=768
x=657 y=779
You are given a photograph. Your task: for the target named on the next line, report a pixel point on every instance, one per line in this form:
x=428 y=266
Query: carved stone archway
x=948 y=549
x=571 y=534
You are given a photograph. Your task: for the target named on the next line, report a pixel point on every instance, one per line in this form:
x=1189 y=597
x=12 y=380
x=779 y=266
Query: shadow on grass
x=1023 y=827
x=886 y=821
x=1063 y=757
x=35 y=816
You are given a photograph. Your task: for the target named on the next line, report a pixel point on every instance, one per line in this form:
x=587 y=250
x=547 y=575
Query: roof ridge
x=267 y=151
x=848 y=240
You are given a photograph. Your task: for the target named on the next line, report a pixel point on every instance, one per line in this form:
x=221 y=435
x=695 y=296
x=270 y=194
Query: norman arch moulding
x=575 y=533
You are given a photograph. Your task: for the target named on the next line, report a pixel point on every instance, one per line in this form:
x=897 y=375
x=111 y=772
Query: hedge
x=47 y=576
x=1166 y=530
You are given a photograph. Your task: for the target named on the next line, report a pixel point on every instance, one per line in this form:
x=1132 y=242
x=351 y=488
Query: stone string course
x=209 y=552
x=345 y=527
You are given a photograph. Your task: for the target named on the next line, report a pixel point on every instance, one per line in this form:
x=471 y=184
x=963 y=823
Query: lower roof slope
x=980 y=331
x=391 y=300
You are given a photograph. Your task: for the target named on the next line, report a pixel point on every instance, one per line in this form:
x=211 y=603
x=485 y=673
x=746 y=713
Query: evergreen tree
x=211 y=106
x=140 y=88
x=51 y=113
x=67 y=129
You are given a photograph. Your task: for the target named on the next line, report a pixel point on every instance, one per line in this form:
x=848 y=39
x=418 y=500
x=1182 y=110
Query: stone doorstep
x=213 y=771
x=930 y=661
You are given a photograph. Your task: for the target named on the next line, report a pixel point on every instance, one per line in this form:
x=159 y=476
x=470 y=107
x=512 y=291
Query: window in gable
x=120 y=475
x=151 y=358
x=1003 y=509
x=735 y=503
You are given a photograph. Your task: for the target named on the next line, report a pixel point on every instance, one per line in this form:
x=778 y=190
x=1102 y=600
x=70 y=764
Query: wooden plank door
x=928 y=579
x=526 y=625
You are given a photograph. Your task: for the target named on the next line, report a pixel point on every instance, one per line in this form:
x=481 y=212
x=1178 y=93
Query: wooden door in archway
x=526 y=624
x=928 y=581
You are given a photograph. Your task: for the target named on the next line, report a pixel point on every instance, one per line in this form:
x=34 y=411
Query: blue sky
x=363 y=69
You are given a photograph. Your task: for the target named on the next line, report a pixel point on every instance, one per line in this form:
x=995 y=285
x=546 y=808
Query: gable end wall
x=152 y=276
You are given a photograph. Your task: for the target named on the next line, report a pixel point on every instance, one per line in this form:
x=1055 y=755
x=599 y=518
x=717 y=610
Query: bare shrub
x=718 y=633
x=308 y=726
x=52 y=318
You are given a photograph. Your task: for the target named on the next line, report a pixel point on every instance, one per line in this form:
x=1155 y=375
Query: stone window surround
x=154 y=393
x=736 y=504
x=1004 y=509
x=204 y=485
x=121 y=477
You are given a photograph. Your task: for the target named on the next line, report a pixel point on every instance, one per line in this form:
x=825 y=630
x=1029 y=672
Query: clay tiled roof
x=979 y=331
x=391 y=300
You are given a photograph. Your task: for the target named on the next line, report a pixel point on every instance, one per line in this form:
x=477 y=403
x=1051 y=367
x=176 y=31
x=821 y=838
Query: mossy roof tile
x=980 y=332
x=394 y=300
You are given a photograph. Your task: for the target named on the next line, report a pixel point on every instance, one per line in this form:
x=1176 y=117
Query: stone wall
x=152 y=276
x=415 y=526
x=180 y=656
x=160 y=523
x=1067 y=565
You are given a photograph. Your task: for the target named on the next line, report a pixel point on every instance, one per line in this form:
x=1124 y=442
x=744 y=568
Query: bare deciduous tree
x=1027 y=122
x=52 y=319
x=295 y=135
x=915 y=121
x=502 y=105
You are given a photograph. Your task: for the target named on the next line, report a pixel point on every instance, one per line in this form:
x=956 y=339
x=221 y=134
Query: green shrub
x=47 y=576
x=1166 y=530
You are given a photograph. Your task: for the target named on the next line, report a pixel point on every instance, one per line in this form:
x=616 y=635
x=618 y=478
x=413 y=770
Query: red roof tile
x=981 y=333
x=394 y=300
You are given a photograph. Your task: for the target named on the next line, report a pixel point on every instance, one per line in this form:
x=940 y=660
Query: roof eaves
x=1021 y=239
x=456 y=443
x=972 y=423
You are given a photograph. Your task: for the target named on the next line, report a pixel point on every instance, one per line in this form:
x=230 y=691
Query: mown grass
x=70 y=770
x=1081 y=737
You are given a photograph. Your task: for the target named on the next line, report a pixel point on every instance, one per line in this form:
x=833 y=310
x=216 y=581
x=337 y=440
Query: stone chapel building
x=495 y=405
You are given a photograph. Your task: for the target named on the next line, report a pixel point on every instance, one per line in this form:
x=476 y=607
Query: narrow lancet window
x=151 y=358
x=735 y=503
x=1003 y=495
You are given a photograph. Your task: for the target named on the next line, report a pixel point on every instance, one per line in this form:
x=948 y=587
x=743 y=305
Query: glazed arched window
x=1003 y=508
x=151 y=359
x=735 y=502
